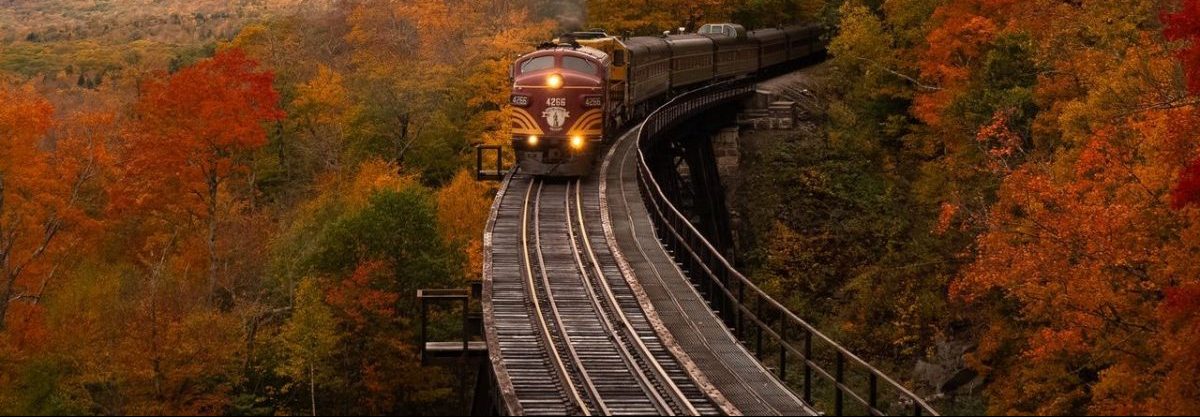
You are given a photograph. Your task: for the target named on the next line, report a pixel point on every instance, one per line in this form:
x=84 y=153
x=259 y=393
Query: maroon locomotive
x=559 y=96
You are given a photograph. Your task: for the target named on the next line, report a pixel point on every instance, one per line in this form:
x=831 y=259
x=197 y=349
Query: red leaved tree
x=1184 y=25
x=198 y=128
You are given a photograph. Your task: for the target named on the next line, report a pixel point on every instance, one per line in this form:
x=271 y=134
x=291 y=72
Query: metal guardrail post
x=466 y=324
x=758 y=314
x=873 y=395
x=839 y=376
x=808 y=368
x=726 y=298
x=478 y=162
x=424 y=326
x=783 y=349
x=741 y=301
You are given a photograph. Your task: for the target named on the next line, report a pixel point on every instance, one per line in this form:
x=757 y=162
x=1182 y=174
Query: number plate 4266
x=556 y=101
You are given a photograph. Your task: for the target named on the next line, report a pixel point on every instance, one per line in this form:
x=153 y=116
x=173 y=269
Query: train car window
x=578 y=64
x=619 y=58
x=537 y=64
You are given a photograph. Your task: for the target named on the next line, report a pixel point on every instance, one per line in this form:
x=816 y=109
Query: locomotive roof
x=584 y=50
x=593 y=34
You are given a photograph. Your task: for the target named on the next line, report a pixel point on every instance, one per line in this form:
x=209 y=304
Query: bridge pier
x=702 y=260
x=688 y=163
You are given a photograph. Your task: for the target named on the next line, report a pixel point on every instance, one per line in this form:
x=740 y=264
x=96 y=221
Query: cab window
x=537 y=64
x=711 y=29
x=578 y=64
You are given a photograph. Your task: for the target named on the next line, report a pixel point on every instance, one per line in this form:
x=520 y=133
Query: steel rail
x=660 y=374
x=609 y=328
x=555 y=356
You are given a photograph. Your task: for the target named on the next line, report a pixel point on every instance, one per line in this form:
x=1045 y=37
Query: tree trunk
x=312 y=386
x=213 y=182
x=283 y=160
x=5 y=294
x=7 y=289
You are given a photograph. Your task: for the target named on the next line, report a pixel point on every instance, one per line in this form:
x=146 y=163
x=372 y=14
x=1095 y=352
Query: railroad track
x=579 y=318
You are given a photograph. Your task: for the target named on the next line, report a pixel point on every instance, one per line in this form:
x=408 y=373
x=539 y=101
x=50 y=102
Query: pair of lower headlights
x=576 y=142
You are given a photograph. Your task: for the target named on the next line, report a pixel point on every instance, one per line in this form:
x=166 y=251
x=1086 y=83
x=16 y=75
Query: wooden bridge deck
x=565 y=333
x=640 y=339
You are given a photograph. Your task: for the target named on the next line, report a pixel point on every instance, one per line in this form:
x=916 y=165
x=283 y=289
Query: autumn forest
x=227 y=207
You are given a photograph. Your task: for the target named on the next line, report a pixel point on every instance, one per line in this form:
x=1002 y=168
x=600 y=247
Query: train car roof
x=802 y=29
x=690 y=39
x=768 y=34
x=647 y=44
x=650 y=41
x=725 y=41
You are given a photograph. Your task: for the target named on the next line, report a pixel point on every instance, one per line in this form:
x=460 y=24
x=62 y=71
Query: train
x=571 y=94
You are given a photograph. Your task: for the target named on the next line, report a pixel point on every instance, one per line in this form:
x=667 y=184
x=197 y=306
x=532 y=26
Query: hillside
x=44 y=37
x=165 y=21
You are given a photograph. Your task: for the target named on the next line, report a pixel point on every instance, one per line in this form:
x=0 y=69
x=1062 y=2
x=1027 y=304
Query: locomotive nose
x=558 y=99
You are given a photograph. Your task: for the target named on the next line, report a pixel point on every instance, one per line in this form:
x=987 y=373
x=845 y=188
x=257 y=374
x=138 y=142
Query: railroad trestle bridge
x=600 y=296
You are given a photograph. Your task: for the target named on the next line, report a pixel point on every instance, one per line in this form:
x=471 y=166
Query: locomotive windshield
x=578 y=64
x=572 y=63
x=537 y=64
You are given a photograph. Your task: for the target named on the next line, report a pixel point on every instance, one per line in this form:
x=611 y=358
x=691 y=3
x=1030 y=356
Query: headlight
x=577 y=142
x=532 y=141
x=520 y=101
x=554 y=81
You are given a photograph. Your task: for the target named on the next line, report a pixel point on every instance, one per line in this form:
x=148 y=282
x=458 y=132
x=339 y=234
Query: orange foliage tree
x=24 y=120
x=462 y=212
x=43 y=189
x=1085 y=259
x=1055 y=143
x=653 y=17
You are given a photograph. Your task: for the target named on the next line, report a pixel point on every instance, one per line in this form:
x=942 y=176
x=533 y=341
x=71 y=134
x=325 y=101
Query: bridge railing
x=741 y=303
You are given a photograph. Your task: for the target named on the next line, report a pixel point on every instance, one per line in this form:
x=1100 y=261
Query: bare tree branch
x=910 y=79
